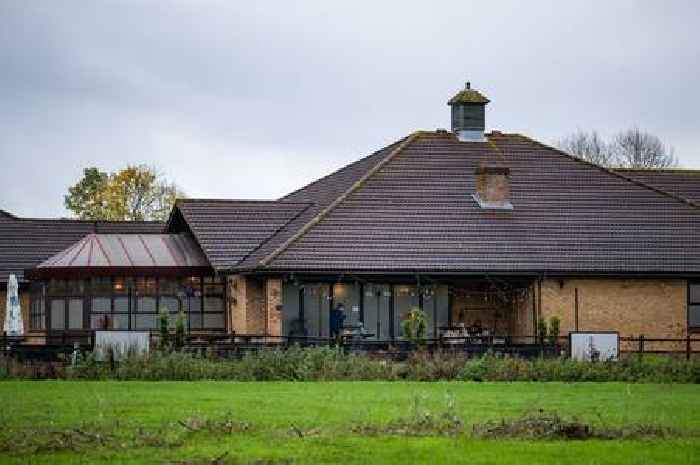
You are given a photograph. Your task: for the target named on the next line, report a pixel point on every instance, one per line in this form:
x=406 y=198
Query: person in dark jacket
x=337 y=319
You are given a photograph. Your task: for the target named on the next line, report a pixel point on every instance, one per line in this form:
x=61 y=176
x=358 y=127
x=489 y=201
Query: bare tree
x=638 y=149
x=588 y=146
x=632 y=148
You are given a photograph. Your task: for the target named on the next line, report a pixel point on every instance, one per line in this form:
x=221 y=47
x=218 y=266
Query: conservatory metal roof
x=128 y=252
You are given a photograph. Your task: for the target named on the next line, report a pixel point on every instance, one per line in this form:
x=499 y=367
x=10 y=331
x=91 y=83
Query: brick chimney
x=469 y=114
x=493 y=187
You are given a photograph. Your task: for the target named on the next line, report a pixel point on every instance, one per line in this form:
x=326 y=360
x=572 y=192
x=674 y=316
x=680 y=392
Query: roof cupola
x=469 y=114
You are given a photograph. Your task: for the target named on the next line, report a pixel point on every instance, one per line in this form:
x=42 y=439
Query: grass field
x=326 y=415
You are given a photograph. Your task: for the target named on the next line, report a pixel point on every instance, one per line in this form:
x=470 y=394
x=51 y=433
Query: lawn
x=326 y=416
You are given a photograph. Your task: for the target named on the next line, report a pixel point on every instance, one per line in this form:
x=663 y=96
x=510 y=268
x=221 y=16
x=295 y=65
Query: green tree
x=135 y=193
x=87 y=198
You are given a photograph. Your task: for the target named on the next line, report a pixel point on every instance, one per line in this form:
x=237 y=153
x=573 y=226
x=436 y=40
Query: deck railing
x=60 y=344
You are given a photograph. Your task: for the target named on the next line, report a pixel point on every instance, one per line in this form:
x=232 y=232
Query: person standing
x=337 y=319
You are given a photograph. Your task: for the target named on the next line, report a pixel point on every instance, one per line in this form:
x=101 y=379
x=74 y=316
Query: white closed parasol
x=13 y=311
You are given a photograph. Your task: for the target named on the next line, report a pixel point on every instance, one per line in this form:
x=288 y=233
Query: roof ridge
x=326 y=210
x=315 y=181
x=81 y=221
x=611 y=171
x=196 y=239
x=269 y=238
x=271 y=201
x=8 y=214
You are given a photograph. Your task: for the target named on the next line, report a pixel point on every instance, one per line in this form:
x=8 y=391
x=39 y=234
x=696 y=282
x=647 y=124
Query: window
x=65 y=305
x=214 y=303
x=37 y=310
x=144 y=314
x=169 y=292
x=123 y=303
x=694 y=305
x=121 y=288
x=75 y=313
x=193 y=290
x=58 y=314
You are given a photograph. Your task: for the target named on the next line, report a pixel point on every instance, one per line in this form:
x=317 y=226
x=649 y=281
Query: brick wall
x=274 y=307
x=656 y=308
x=253 y=305
x=236 y=301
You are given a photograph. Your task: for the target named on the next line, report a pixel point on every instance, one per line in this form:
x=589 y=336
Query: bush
x=331 y=364
x=424 y=366
x=554 y=324
x=163 y=328
x=632 y=370
x=414 y=326
x=180 y=324
x=541 y=330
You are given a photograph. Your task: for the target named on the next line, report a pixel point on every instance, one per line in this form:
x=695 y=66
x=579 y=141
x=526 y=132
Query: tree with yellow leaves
x=135 y=193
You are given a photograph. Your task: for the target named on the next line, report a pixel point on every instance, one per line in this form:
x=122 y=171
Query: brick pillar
x=274 y=307
x=24 y=301
x=237 y=303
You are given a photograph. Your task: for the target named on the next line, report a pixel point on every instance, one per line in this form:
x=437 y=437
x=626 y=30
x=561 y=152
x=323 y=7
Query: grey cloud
x=238 y=100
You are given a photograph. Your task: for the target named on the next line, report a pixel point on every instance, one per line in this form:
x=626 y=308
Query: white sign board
x=590 y=346
x=121 y=343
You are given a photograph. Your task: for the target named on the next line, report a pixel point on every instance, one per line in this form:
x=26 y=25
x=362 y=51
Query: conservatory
x=123 y=282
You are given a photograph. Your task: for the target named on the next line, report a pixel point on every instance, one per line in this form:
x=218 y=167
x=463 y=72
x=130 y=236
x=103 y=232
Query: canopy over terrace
x=122 y=282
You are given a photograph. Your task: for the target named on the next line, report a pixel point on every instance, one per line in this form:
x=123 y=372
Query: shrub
x=414 y=326
x=541 y=330
x=632 y=369
x=424 y=366
x=330 y=364
x=163 y=327
x=179 y=341
x=554 y=324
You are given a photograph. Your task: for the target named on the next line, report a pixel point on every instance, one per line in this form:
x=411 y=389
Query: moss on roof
x=468 y=96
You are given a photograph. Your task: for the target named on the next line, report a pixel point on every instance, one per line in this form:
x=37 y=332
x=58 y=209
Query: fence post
x=687 y=347
x=641 y=345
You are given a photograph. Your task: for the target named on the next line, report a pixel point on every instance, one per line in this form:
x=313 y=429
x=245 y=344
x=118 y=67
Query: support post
x=576 y=308
x=273 y=302
x=687 y=347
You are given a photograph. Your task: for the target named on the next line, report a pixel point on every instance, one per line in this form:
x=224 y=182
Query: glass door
x=317 y=309
x=377 y=310
x=348 y=295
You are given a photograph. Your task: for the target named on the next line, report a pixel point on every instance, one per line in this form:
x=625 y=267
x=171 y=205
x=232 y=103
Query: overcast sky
x=254 y=99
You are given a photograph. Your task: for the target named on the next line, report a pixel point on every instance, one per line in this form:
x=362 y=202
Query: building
x=491 y=231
